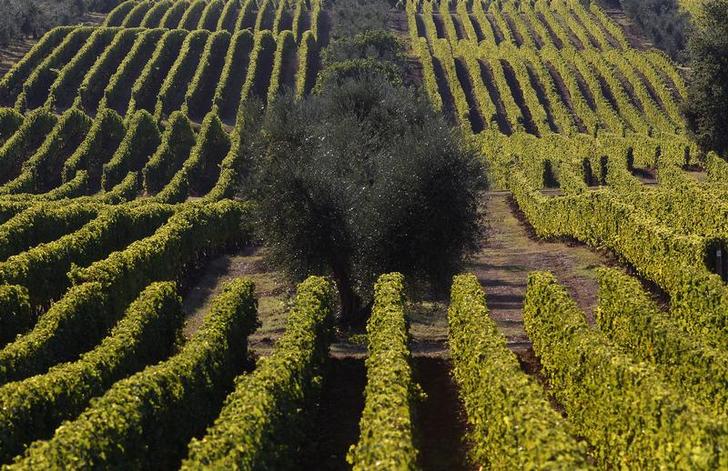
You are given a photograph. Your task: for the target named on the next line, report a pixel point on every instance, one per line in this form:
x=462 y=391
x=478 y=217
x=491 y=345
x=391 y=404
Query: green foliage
x=633 y=321
x=284 y=57
x=42 y=171
x=512 y=425
x=169 y=253
x=152 y=414
x=172 y=94
x=364 y=179
x=266 y=419
x=16 y=315
x=386 y=428
x=198 y=99
x=34 y=407
x=11 y=83
x=10 y=121
x=117 y=15
x=177 y=142
x=706 y=108
x=148 y=84
x=118 y=91
x=43 y=268
x=101 y=143
x=257 y=78
x=141 y=141
x=229 y=88
x=37 y=85
x=663 y=21
x=24 y=142
x=42 y=223
x=201 y=170
x=650 y=424
x=66 y=86
x=92 y=88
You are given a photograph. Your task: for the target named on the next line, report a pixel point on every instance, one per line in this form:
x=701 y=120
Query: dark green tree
x=706 y=109
x=362 y=179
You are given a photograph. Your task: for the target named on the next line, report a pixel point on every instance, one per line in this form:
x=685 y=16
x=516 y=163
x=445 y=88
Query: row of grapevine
x=154 y=413
x=217 y=15
x=650 y=423
x=632 y=320
x=559 y=24
x=34 y=407
x=549 y=87
x=676 y=262
x=511 y=423
x=79 y=156
x=268 y=415
x=386 y=428
x=170 y=70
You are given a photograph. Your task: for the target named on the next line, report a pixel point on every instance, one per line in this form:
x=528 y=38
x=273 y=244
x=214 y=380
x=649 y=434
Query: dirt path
x=503 y=265
x=270 y=287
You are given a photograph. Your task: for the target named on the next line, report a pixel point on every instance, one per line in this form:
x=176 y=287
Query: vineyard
x=122 y=154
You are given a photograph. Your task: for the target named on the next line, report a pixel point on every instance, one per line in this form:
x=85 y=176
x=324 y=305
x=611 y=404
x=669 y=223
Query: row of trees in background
x=35 y=17
x=664 y=22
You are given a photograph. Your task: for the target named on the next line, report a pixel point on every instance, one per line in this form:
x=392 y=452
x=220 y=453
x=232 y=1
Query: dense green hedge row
x=42 y=223
x=144 y=93
x=201 y=170
x=99 y=145
x=92 y=88
x=24 y=142
x=650 y=425
x=42 y=171
x=117 y=93
x=36 y=86
x=386 y=429
x=173 y=250
x=284 y=57
x=11 y=85
x=10 y=121
x=674 y=261
x=140 y=141
x=199 y=95
x=632 y=320
x=512 y=424
x=16 y=315
x=232 y=77
x=260 y=66
x=175 y=85
x=177 y=142
x=33 y=408
x=65 y=88
x=43 y=268
x=151 y=416
x=266 y=420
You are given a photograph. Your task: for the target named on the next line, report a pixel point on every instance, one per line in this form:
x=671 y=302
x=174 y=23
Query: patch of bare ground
x=634 y=35
x=448 y=107
x=511 y=252
x=271 y=288
x=440 y=421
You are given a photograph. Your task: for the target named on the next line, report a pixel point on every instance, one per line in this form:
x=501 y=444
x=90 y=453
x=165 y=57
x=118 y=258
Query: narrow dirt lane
x=510 y=253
